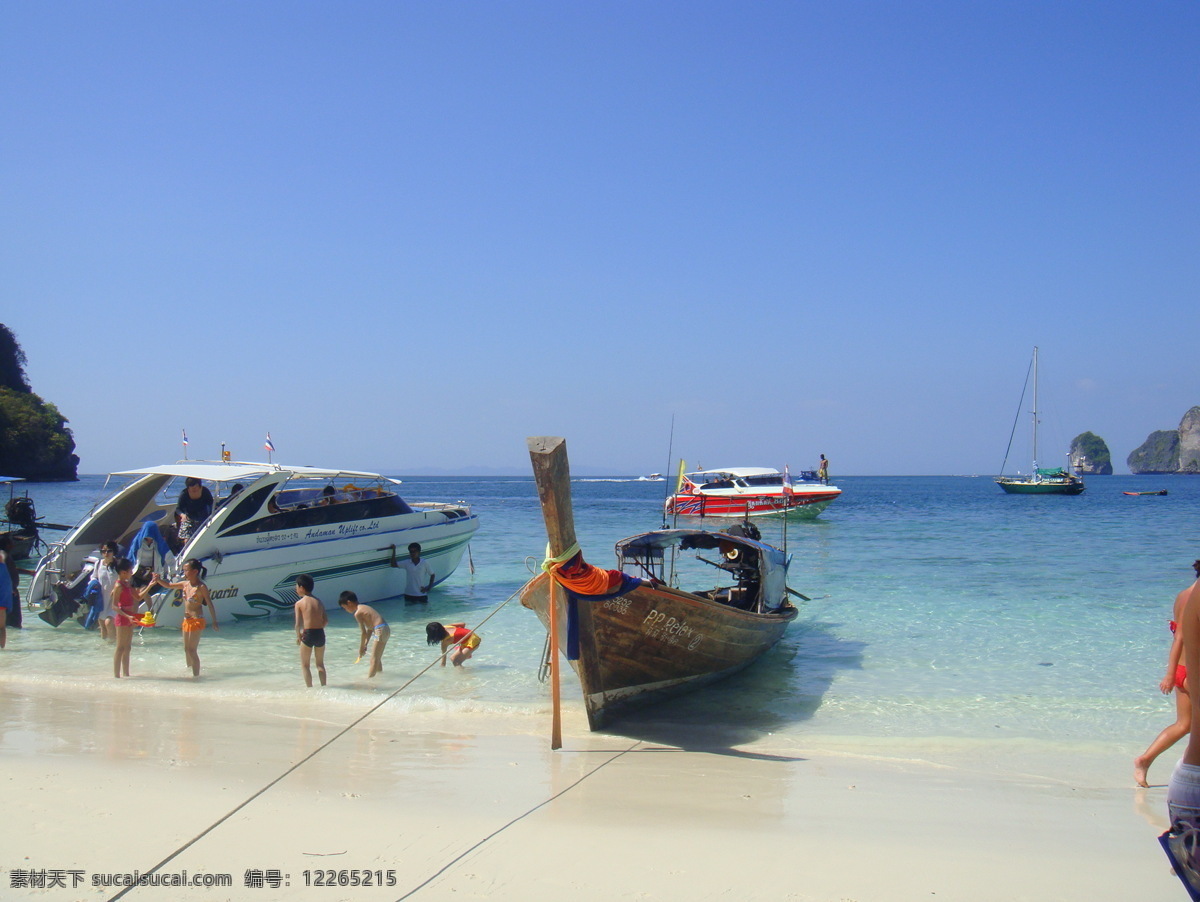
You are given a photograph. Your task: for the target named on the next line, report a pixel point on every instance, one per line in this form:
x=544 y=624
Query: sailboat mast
x=1035 y=409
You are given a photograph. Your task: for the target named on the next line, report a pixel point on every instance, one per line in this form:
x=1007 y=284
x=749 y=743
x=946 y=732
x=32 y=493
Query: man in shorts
x=420 y=576
x=310 y=628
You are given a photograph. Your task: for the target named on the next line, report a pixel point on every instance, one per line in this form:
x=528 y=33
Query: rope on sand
x=215 y=824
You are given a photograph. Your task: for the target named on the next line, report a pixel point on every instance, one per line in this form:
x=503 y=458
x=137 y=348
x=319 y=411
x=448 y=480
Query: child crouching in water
x=456 y=639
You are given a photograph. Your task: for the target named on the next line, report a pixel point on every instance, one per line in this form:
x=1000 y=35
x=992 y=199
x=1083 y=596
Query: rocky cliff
x=1089 y=455
x=1170 y=451
x=35 y=442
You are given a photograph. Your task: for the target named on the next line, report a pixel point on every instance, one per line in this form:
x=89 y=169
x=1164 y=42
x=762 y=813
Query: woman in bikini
x=125 y=601
x=1175 y=679
x=195 y=599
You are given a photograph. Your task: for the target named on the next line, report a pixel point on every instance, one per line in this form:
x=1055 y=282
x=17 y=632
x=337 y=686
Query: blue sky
x=406 y=235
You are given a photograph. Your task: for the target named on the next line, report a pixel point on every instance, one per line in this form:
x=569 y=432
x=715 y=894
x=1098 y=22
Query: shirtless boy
x=310 y=628
x=370 y=623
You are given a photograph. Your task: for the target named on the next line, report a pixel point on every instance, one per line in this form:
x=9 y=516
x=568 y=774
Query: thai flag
x=787 y=480
x=269 y=445
x=184 y=431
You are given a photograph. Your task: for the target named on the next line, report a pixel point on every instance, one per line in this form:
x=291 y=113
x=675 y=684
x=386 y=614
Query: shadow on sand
x=783 y=688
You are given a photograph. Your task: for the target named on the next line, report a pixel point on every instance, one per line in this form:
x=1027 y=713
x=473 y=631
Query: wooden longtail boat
x=634 y=636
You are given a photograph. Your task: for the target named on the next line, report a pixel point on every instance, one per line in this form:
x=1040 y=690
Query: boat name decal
x=668 y=629
x=231 y=592
x=341 y=531
x=620 y=605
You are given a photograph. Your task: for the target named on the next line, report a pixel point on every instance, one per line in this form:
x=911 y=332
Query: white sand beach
x=120 y=780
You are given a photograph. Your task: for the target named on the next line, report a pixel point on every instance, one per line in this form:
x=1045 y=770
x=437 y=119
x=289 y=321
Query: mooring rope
x=213 y=826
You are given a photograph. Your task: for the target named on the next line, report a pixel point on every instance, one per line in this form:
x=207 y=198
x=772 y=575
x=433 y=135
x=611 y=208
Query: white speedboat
x=750 y=492
x=346 y=529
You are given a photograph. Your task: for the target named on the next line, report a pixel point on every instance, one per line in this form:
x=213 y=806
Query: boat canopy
x=735 y=471
x=7 y=479
x=772 y=565
x=1050 y=471
x=215 y=471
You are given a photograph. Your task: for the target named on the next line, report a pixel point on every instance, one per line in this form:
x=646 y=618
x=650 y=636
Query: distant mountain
x=1170 y=451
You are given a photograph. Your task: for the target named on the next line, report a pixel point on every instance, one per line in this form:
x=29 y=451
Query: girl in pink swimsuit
x=125 y=602
x=1175 y=680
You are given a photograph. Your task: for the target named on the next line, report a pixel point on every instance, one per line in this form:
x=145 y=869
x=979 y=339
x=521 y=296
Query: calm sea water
x=942 y=609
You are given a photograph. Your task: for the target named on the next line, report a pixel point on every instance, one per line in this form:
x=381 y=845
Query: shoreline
x=478 y=806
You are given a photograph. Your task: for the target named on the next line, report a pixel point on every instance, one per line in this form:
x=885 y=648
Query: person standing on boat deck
x=420 y=576
x=823 y=470
x=125 y=600
x=194 y=506
x=370 y=623
x=1175 y=679
x=311 y=620
x=195 y=599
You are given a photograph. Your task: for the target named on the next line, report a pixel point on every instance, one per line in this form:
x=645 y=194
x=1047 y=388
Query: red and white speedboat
x=750 y=492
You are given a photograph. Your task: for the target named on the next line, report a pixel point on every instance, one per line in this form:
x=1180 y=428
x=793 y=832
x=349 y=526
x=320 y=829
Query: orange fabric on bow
x=583 y=578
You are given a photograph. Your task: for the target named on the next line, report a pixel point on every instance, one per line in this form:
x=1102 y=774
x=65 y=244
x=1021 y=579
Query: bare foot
x=1139 y=772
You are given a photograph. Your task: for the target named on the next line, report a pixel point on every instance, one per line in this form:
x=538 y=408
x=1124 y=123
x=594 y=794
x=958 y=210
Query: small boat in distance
x=1042 y=480
x=1159 y=492
x=268 y=523
x=740 y=492
x=632 y=634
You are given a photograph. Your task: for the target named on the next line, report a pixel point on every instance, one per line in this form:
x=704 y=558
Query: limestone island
x=1170 y=451
x=1089 y=455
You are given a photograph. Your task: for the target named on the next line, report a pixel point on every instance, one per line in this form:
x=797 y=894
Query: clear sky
x=403 y=235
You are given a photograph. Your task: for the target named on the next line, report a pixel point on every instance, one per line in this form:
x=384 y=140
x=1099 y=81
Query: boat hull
x=262 y=583
x=650 y=644
x=252 y=553
x=799 y=505
x=1024 y=487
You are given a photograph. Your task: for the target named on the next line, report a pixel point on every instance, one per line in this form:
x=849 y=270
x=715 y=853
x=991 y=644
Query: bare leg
x=3 y=627
x=191 y=651
x=320 y=656
x=305 y=656
x=1167 y=738
x=377 y=653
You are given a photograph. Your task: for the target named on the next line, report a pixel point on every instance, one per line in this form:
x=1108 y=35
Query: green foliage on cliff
x=1094 y=450
x=1157 y=454
x=34 y=439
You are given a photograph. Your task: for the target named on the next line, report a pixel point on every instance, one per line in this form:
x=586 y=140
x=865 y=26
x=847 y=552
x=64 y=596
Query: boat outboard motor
x=21 y=512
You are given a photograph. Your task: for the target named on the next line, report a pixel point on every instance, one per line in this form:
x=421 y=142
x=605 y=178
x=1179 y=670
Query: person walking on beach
x=6 y=597
x=196 y=598
x=456 y=640
x=14 y=577
x=370 y=623
x=823 y=470
x=420 y=576
x=1175 y=679
x=311 y=620
x=125 y=603
x=99 y=592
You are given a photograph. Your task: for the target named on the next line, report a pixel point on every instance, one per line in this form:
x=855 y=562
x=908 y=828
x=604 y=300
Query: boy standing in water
x=310 y=628
x=370 y=622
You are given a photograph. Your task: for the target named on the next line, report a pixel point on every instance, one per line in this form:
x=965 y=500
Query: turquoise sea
x=943 y=609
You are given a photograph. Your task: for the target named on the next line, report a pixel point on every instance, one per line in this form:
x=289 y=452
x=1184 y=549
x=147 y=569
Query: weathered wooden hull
x=654 y=643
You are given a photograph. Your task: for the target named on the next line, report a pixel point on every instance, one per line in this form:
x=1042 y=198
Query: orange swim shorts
x=193 y=624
